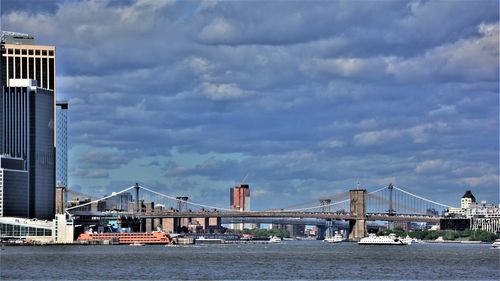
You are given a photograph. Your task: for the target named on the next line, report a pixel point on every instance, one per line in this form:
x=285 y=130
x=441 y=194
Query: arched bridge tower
x=357 y=224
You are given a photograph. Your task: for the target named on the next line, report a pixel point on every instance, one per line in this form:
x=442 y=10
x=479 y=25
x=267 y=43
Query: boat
x=136 y=244
x=496 y=244
x=203 y=240
x=373 y=239
x=337 y=238
x=155 y=237
x=408 y=240
x=275 y=239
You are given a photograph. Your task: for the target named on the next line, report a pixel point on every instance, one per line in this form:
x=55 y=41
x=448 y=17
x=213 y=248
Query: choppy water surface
x=288 y=260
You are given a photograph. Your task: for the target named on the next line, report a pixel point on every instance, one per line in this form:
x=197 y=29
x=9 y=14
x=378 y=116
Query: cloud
x=222 y=92
x=471 y=59
x=309 y=96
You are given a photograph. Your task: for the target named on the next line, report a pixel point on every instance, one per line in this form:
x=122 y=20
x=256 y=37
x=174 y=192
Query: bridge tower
x=136 y=198
x=328 y=228
x=357 y=224
x=391 y=211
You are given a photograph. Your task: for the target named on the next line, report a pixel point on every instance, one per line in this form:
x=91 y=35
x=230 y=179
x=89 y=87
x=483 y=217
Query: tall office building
x=28 y=115
x=239 y=197
x=27 y=133
x=62 y=144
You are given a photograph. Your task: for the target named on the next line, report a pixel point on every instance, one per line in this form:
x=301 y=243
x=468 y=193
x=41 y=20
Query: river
x=288 y=260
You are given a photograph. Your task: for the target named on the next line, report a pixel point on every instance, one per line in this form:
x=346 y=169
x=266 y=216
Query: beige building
x=63 y=229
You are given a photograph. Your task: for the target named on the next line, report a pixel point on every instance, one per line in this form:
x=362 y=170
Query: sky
x=302 y=99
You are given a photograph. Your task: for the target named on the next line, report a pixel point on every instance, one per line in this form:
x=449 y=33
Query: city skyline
x=306 y=98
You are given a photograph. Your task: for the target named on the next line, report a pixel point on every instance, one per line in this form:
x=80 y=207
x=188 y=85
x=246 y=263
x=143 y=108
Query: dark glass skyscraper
x=27 y=131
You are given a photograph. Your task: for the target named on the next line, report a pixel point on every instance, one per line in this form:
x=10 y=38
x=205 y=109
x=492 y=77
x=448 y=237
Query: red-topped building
x=239 y=197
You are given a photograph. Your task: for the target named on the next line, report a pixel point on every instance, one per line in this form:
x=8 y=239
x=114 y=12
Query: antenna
x=244 y=179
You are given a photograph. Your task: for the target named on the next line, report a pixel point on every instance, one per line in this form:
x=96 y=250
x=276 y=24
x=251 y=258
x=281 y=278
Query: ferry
x=335 y=239
x=496 y=244
x=155 y=237
x=203 y=240
x=275 y=239
x=373 y=239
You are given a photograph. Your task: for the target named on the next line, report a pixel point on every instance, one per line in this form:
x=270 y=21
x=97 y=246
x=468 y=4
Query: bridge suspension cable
x=422 y=198
x=100 y=199
x=187 y=202
x=316 y=207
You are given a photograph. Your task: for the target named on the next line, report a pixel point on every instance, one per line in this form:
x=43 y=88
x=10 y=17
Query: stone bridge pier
x=357 y=225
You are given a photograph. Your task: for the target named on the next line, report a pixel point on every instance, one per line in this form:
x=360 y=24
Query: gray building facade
x=14 y=193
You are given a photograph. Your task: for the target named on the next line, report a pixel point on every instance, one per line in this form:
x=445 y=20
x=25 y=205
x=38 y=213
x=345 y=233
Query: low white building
x=34 y=230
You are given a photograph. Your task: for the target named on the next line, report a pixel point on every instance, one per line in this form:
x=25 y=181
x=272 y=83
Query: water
x=288 y=260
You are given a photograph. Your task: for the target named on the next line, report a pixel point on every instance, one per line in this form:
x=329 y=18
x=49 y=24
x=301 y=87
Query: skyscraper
x=27 y=133
x=62 y=144
x=28 y=115
x=239 y=198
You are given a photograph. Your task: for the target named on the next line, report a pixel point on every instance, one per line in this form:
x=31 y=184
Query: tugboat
x=373 y=239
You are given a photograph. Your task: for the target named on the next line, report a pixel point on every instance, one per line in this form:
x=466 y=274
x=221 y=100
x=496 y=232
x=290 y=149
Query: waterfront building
x=27 y=132
x=63 y=229
x=239 y=198
x=62 y=144
x=14 y=199
x=482 y=209
x=467 y=199
x=25 y=229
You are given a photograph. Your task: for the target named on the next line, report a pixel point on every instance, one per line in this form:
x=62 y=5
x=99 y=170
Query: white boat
x=335 y=239
x=275 y=239
x=136 y=244
x=408 y=240
x=203 y=240
x=373 y=239
x=496 y=244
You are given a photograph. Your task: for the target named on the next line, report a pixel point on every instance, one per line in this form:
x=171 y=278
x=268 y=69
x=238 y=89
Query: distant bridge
x=357 y=206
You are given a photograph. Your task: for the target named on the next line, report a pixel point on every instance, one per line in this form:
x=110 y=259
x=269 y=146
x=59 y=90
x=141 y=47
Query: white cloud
x=432 y=166
x=484 y=180
x=473 y=59
x=219 y=30
x=223 y=92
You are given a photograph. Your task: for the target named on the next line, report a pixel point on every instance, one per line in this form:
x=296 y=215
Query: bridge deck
x=271 y=214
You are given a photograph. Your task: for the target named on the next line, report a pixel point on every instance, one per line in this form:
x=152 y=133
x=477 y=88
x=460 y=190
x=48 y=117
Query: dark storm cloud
x=311 y=95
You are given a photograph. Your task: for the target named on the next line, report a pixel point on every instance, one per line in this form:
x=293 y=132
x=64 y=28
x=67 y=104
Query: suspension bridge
x=152 y=208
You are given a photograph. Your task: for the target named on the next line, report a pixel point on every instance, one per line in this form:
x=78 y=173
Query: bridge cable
x=419 y=197
x=187 y=202
x=100 y=199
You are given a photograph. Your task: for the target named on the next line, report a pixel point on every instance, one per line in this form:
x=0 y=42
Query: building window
x=30 y=52
x=51 y=53
x=37 y=52
x=44 y=52
x=23 y=52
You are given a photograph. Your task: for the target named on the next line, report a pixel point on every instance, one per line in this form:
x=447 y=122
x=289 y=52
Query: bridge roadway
x=286 y=214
